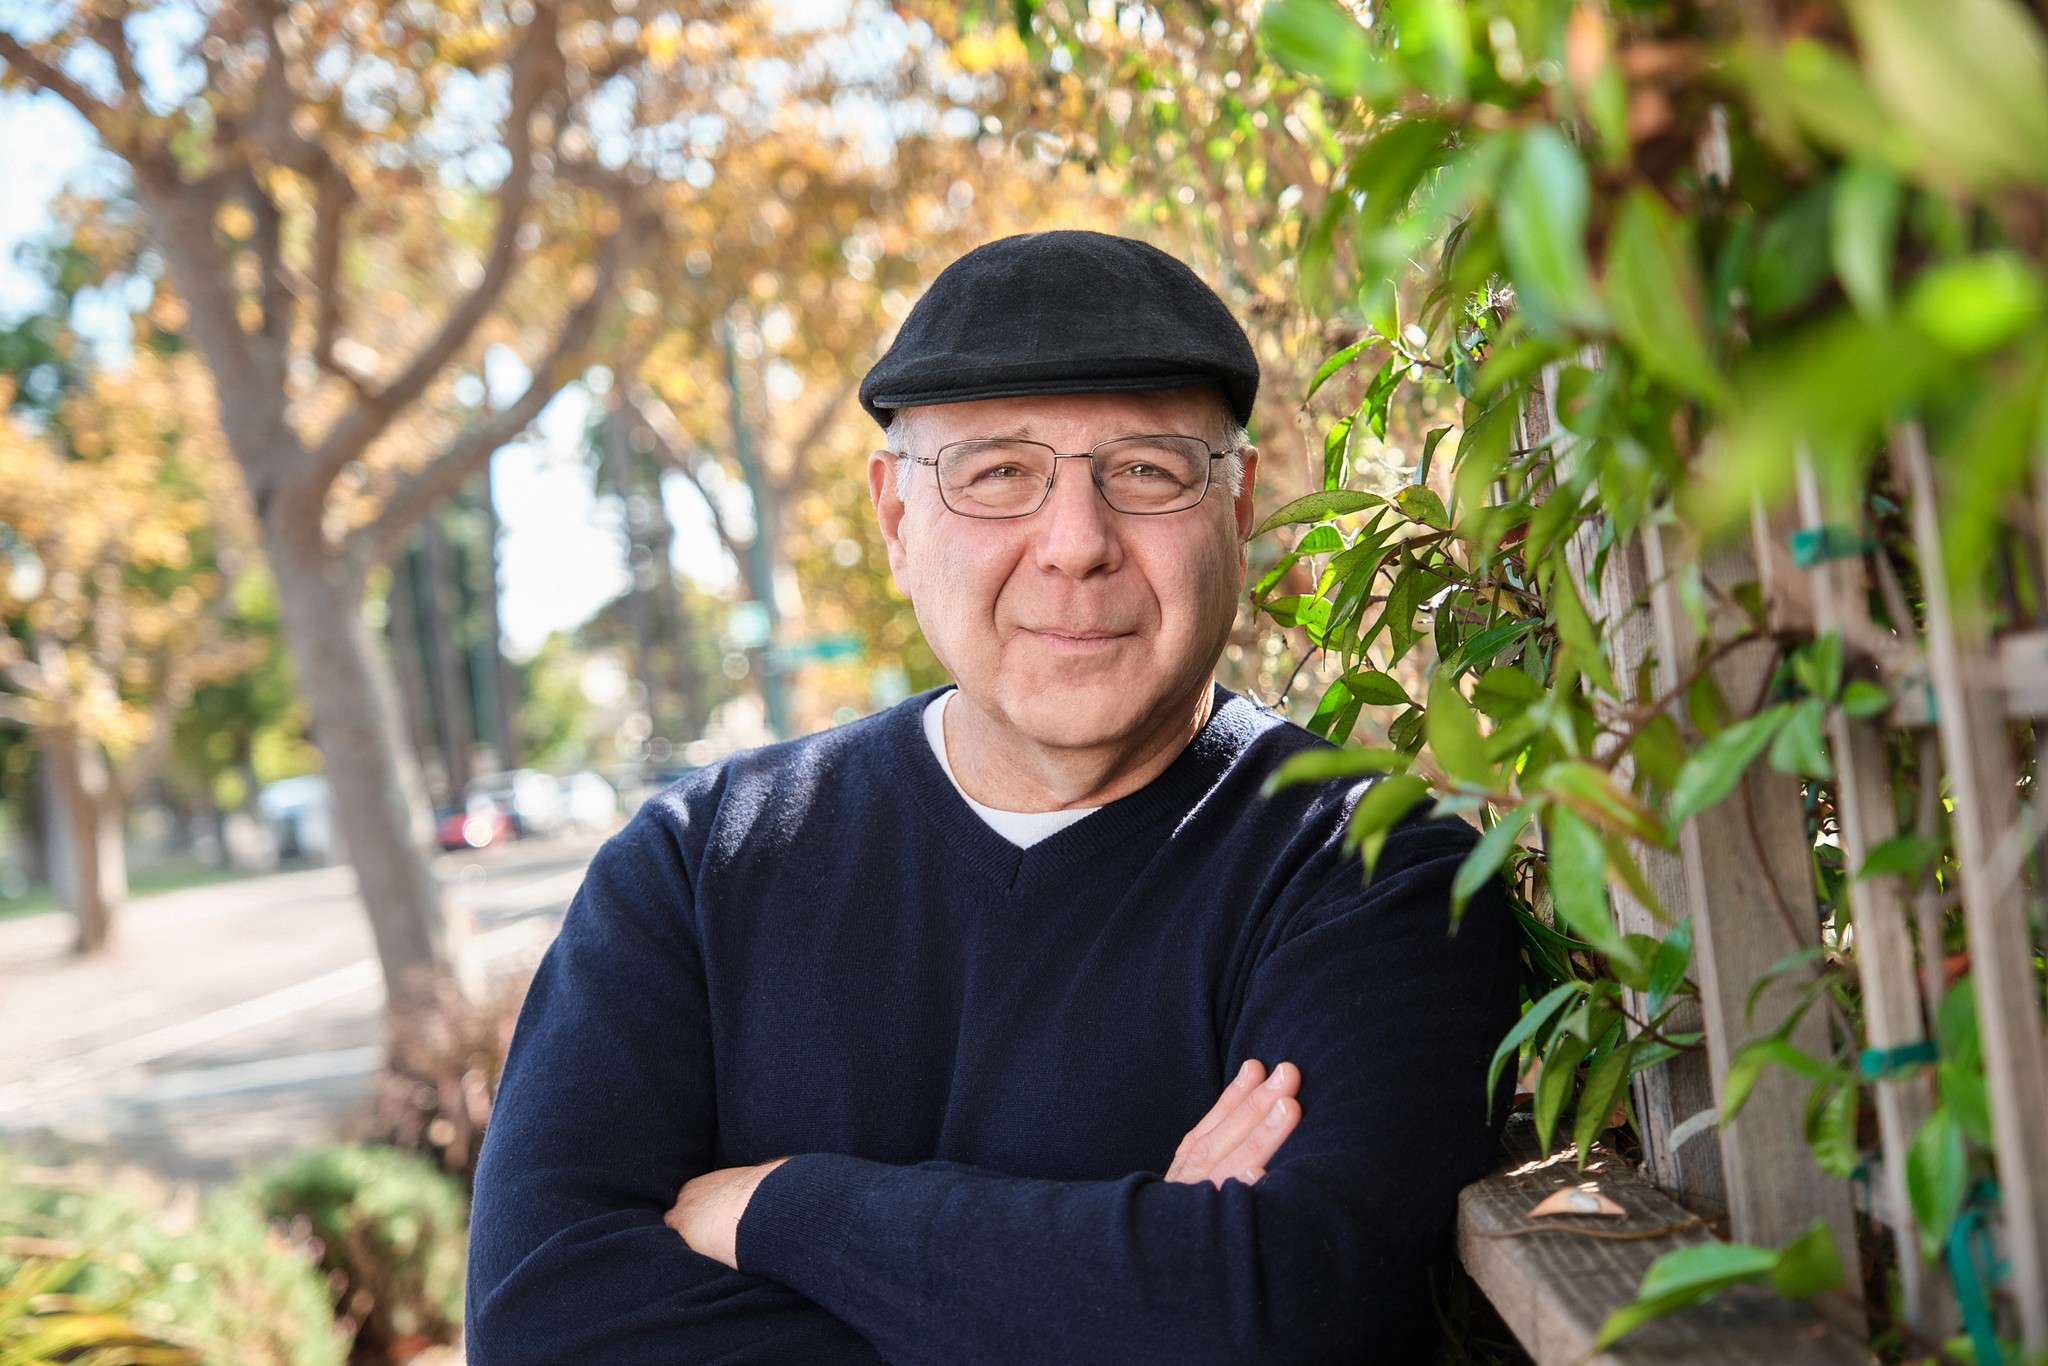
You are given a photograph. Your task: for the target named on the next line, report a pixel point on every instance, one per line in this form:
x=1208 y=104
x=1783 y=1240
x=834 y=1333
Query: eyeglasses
x=1143 y=476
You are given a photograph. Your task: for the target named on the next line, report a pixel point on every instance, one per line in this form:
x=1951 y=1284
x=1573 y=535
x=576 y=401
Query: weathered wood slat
x=1667 y=1095
x=1865 y=816
x=1748 y=874
x=1976 y=753
x=1555 y=1288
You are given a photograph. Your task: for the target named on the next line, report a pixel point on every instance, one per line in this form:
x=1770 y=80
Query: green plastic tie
x=1877 y=1064
x=1969 y=1237
x=1814 y=544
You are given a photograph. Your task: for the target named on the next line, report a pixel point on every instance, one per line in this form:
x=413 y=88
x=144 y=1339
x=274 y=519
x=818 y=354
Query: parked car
x=476 y=823
x=589 y=802
x=300 y=814
x=532 y=799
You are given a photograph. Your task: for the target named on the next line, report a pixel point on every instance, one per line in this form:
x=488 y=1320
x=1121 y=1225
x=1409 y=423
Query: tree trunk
x=403 y=631
x=89 y=864
x=378 y=797
x=445 y=667
x=500 y=684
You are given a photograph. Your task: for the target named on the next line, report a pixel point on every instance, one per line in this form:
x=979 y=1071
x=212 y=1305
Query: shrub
x=228 y=1290
x=390 y=1231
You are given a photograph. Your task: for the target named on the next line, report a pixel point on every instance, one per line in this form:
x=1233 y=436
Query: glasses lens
x=994 y=478
x=1153 y=473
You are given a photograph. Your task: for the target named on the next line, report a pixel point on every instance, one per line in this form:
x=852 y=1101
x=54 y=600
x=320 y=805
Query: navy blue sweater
x=983 y=1058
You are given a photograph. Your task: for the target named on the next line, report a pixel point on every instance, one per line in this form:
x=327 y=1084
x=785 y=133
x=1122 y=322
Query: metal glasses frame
x=1208 y=474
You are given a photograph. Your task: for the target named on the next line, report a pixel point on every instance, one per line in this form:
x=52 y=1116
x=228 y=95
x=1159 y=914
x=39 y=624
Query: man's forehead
x=1039 y=416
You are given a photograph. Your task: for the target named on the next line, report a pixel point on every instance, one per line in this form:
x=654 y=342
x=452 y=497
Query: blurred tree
x=319 y=178
x=118 y=600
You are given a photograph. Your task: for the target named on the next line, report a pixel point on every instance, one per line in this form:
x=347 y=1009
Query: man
x=905 y=1041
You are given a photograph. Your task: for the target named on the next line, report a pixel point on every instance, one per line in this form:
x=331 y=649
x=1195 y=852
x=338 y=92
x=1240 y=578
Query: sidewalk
x=232 y=1023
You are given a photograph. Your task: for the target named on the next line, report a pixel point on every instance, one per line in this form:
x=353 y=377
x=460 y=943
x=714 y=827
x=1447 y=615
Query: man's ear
x=1241 y=505
x=889 y=513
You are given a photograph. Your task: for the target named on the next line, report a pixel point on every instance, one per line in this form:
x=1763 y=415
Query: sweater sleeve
x=1390 y=1019
x=604 y=1110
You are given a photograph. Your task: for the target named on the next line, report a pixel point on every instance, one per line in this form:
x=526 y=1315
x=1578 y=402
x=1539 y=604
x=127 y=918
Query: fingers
x=1247 y=1163
x=1205 y=1153
x=1192 y=1145
x=1248 y=1077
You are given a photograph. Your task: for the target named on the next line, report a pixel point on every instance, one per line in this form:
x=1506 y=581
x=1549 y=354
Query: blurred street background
x=426 y=430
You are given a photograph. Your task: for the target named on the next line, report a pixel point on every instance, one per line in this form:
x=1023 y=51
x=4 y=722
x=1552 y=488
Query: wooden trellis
x=1743 y=871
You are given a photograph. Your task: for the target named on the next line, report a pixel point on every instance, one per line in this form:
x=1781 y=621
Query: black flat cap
x=1062 y=313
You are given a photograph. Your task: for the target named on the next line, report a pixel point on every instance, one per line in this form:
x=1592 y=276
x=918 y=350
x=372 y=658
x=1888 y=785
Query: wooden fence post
x=1748 y=875
x=1682 y=1161
x=1991 y=848
x=1865 y=815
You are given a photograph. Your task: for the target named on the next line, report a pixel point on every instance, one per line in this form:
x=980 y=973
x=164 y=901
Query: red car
x=477 y=823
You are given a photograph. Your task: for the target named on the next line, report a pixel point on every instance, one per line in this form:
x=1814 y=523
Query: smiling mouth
x=1077 y=639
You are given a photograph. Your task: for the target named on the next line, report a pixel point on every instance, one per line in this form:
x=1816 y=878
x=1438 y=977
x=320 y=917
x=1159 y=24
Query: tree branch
x=110 y=30
x=670 y=443
x=47 y=76
x=800 y=453
x=427 y=486
x=536 y=71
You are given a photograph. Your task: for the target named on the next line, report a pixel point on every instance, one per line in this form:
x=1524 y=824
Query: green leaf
x=1591 y=792
x=1863 y=231
x=1955 y=1026
x=1801 y=746
x=1659 y=750
x=1319 y=540
x=1746 y=1067
x=1831 y=1128
x=1377 y=689
x=1429 y=445
x=1342 y=358
x=1533 y=1019
x=1506 y=691
x=1791 y=259
x=1484 y=862
x=1901 y=854
x=1969 y=78
x=1543 y=232
x=1604 y=1085
x=1937 y=1174
x=1377 y=812
x=1668 y=968
x=1321 y=764
x=1336 y=450
x=1453 y=731
x=1968 y=1098
x=1577 y=861
x=1318 y=507
x=1655 y=295
x=1554 y=1084
x=1976 y=304
x=1808 y=1265
x=1716 y=766
x=1864 y=699
x=1422 y=505
x=1321 y=40
x=1684 y=1277
x=1436 y=42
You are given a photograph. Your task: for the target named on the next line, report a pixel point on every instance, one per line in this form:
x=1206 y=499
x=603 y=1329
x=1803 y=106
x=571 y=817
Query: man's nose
x=1077 y=532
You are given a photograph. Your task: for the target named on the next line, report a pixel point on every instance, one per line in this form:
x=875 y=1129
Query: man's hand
x=707 y=1212
x=1245 y=1128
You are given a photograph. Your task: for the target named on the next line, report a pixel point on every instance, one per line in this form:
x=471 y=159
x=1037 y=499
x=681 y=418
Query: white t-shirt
x=1021 y=828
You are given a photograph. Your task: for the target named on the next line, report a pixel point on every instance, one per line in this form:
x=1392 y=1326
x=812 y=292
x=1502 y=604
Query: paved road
x=230 y=1024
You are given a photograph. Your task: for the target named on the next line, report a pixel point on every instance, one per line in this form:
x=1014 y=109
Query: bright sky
x=562 y=553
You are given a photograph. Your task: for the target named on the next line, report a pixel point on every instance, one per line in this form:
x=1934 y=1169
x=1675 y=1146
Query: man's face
x=1077 y=625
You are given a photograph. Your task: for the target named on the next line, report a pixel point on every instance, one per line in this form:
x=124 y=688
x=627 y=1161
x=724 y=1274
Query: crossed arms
x=606 y=1113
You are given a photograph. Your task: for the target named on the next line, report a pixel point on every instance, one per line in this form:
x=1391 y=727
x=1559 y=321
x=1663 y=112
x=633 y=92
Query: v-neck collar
x=1194 y=771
